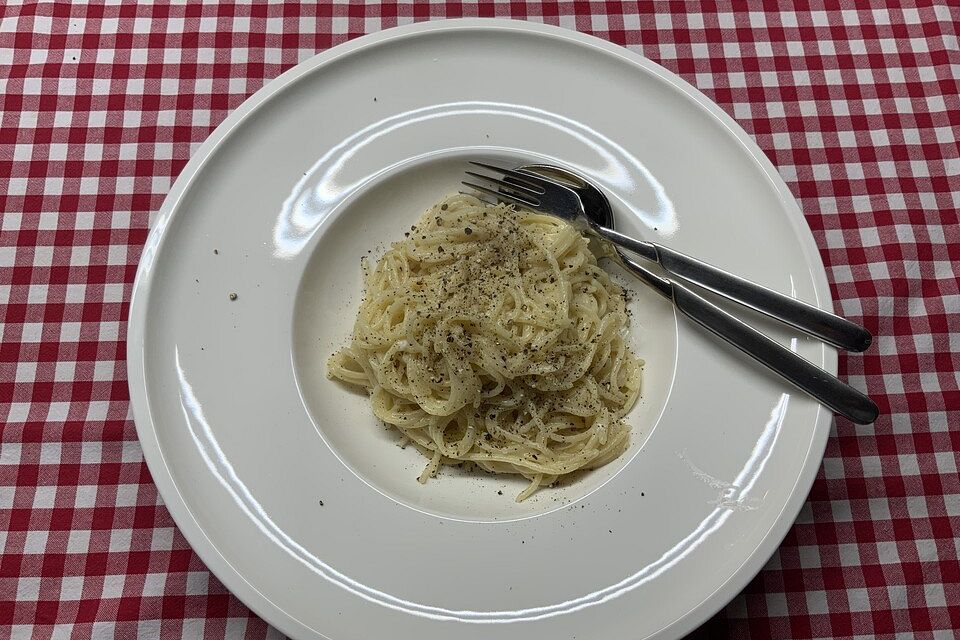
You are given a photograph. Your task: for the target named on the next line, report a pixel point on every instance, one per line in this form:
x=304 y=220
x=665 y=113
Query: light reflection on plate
x=323 y=188
x=251 y=448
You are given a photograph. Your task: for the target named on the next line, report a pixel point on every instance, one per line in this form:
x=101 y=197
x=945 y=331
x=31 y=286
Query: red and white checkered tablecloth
x=103 y=103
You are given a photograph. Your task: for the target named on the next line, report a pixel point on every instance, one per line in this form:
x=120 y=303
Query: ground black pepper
x=508 y=331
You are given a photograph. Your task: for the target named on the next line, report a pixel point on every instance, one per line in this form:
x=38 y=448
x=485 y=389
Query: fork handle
x=827 y=389
x=821 y=324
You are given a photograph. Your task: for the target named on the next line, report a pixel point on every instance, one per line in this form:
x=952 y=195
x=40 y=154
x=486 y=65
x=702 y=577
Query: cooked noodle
x=491 y=336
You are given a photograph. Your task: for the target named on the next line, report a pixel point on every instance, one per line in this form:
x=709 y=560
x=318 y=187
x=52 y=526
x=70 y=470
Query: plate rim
x=146 y=428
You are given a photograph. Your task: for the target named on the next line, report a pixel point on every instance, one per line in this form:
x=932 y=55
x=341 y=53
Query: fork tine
x=506 y=197
x=527 y=179
x=513 y=186
x=481 y=197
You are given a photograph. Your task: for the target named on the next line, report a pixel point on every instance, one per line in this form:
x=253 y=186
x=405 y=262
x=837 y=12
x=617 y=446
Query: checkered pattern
x=103 y=103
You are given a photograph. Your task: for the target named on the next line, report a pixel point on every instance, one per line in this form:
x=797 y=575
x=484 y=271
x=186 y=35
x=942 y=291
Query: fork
x=535 y=192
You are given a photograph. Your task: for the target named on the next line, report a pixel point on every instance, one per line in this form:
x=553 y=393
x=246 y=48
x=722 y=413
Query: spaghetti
x=491 y=336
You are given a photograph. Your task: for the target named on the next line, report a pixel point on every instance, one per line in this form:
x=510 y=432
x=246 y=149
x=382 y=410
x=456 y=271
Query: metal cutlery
x=559 y=192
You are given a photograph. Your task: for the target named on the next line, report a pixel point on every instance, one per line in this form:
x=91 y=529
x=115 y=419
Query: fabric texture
x=856 y=103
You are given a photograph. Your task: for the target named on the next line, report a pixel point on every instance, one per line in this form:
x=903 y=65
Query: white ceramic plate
x=284 y=483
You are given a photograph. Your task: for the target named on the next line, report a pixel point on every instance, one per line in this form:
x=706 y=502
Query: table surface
x=103 y=104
